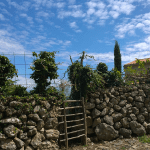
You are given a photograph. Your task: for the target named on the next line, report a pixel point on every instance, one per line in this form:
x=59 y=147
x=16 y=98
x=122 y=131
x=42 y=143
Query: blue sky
x=70 y=27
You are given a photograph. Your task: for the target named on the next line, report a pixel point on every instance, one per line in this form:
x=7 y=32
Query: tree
x=102 y=69
x=81 y=77
x=117 y=57
x=45 y=67
x=7 y=70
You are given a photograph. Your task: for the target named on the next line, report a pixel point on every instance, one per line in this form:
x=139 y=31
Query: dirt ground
x=132 y=143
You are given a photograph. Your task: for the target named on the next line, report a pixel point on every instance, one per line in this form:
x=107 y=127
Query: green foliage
x=20 y=91
x=144 y=139
x=135 y=72
x=44 y=67
x=81 y=77
x=7 y=70
x=114 y=78
x=102 y=68
x=117 y=57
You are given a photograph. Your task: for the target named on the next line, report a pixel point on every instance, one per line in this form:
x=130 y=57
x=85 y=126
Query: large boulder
x=106 y=132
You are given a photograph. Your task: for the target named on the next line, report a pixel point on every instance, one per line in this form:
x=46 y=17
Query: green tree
x=45 y=67
x=7 y=70
x=117 y=57
x=102 y=70
x=81 y=77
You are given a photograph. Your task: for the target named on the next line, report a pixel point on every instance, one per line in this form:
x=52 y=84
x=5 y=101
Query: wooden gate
x=83 y=126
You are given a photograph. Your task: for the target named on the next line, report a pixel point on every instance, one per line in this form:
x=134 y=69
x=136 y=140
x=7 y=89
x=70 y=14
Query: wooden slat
x=71 y=114
x=73 y=137
x=72 y=127
x=72 y=132
x=65 y=122
x=72 y=101
x=70 y=107
x=85 y=124
x=61 y=122
x=76 y=131
x=75 y=126
x=65 y=126
x=71 y=121
x=75 y=120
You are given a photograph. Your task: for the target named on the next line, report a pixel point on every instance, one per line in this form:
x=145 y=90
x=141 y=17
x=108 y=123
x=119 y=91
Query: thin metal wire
x=25 y=68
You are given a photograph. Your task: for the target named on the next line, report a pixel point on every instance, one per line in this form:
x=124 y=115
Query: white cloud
x=146 y=22
x=4 y=33
x=75 y=14
x=29 y=19
x=148 y=39
x=139 y=25
x=2 y=4
x=96 y=10
x=9 y=45
x=140 y=22
x=141 y=46
x=91 y=4
x=59 y=5
x=39 y=20
x=6 y=12
x=114 y=14
x=47 y=3
x=67 y=43
x=90 y=11
x=74 y=11
x=120 y=6
x=42 y=14
x=78 y=31
x=71 y=1
x=100 y=41
x=2 y=17
x=23 y=6
x=73 y=25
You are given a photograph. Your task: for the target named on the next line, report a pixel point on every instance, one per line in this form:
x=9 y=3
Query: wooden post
x=65 y=126
x=85 y=124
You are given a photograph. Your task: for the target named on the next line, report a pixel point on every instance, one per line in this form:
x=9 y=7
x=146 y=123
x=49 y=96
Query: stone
x=106 y=132
x=28 y=131
x=137 y=128
x=96 y=122
x=89 y=121
x=123 y=111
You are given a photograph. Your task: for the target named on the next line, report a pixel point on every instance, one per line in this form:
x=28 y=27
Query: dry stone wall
x=25 y=130
x=118 y=112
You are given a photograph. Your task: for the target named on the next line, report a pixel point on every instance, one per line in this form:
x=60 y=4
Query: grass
x=144 y=139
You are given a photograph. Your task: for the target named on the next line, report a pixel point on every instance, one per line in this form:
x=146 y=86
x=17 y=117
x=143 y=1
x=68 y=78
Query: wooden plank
x=75 y=126
x=71 y=121
x=73 y=132
x=84 y=136
x=76 y=131
x=73 y=137
x=72 y=101
x=85 y=124
x=75 y=120
x=71 y=114
x=70 y=107
x=65 y=126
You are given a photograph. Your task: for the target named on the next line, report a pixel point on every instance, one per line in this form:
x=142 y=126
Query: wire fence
x=25 y=70
x=27 y=85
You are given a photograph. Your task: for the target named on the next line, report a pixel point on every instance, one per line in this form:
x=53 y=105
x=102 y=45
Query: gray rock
x=106 y=132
